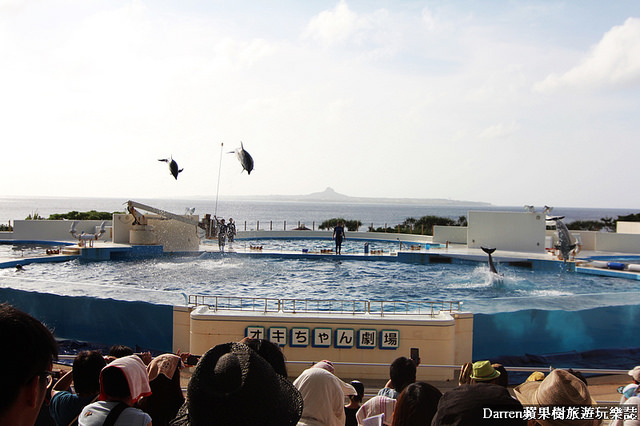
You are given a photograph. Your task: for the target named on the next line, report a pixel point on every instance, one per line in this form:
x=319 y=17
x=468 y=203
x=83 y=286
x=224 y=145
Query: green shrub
x=34 y=216
x=351 y=225
x=90 y=215
x=424 y=225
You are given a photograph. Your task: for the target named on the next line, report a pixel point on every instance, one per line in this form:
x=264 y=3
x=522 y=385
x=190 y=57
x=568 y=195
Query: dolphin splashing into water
x=173 y=166
x=489 y=251
x=245 y=158
x=494 y=278
x=564 y=239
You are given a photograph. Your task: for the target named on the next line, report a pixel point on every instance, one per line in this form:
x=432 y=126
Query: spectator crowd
x=246 y=383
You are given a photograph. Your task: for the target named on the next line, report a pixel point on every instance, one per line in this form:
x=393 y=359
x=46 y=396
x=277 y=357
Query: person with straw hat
x=559 y=388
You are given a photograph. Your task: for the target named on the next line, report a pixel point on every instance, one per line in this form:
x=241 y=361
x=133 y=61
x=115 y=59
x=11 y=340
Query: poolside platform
x=409 y=253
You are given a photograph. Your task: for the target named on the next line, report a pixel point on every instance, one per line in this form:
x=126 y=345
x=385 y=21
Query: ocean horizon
x=275 y=213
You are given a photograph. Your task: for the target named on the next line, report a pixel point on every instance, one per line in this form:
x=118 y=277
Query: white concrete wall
x=523 y=232
x=55 y=230
x=588 y=238
x=444 y=340
x=623 y=243
x=453 y=234
x=181 y=328
x=628 y=228
x=173 y=235
x=121 y=226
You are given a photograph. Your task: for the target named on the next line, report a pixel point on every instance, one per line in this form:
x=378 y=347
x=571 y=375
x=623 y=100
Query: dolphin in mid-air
x=564 y=239
x=173 y=167
x=492 y=267
x=245 y=159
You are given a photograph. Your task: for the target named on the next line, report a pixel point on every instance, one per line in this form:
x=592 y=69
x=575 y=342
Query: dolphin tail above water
x=489 y=251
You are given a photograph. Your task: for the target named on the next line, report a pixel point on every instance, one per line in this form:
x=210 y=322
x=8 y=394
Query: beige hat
x=635 y=373
x=465 y=373
x=559 y=388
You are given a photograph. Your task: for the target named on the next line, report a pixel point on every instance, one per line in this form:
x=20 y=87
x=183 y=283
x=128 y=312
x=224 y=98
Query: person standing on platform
x=231 y=232
x=338 y=235
x=222 y=233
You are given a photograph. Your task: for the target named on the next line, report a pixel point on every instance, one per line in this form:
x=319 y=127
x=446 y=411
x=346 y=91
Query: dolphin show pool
x=269 y=274
x=556 y=306
x=537 y=305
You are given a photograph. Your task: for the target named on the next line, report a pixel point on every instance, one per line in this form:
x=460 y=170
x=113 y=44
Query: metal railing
x=292 y=306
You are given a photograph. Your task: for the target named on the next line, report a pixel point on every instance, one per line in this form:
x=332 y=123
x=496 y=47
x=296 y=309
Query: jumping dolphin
x=245 y=159
x=564 y=239
x=173 y=167
x=492 y=267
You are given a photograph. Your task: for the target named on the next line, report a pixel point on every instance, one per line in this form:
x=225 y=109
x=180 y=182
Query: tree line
x=425 y=224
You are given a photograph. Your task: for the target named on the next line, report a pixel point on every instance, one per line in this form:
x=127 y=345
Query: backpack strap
x=114 y=414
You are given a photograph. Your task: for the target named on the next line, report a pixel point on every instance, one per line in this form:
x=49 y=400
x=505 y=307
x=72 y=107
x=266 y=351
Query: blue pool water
x=168 y=279
x=9 y=250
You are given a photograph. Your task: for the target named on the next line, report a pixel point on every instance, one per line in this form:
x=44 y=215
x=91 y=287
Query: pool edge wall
x=106 y=321
x=539 y=332
x=168 y=328
x=443 y=340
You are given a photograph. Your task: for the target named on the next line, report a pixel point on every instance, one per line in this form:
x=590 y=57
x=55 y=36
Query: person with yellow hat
x=483 y=372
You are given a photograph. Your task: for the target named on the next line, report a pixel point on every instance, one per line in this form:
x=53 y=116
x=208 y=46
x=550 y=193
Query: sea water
x=275 y=213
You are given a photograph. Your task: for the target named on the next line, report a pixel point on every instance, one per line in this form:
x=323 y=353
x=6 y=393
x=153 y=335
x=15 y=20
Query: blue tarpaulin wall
x=536 y=331
x=105 y=321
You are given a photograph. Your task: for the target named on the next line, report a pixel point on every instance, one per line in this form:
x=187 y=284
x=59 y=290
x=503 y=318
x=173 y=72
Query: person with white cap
x=630 y=397
x=632 y=389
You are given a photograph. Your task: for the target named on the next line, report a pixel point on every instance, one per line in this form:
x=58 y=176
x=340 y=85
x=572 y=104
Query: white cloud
x=433 y=22
x=613 y=62
x=499 y=131
x=334 y=26
x=12 y=6
x=342 y=26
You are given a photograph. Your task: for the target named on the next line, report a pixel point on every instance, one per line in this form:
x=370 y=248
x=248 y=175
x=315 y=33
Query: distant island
x=331 y=196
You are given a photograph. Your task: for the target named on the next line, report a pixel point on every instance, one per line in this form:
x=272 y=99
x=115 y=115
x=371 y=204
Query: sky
x=505 y=102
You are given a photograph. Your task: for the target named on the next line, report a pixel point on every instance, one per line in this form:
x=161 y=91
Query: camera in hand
x=192 y=359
